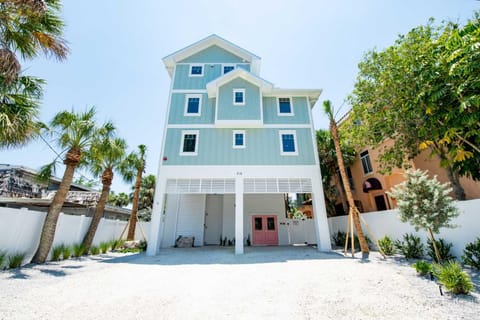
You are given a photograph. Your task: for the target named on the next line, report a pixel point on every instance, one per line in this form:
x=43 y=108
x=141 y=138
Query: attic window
x=239 y=97
x=196 y=70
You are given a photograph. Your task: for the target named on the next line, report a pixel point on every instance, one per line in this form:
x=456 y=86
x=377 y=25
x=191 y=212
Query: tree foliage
x=120 y=200
x=423 y=92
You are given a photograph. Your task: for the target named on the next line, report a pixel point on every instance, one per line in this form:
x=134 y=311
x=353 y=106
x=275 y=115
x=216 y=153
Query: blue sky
x=117 y=48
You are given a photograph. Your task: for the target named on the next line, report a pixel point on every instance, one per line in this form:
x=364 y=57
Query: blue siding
x=262 y=148
x=300 y=110
x=182 y=80
x=212 y=54
x=177 y=110
x=228 y=111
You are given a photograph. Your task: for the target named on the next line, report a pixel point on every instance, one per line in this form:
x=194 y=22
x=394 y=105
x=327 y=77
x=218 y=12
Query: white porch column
x=320 y=215
x=156 y=226
x=239 y=214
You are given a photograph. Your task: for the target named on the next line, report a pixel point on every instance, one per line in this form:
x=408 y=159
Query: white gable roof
x=212 y=86
x=207 y=42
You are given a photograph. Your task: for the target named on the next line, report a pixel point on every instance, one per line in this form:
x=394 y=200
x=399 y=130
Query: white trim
x=228 y=65
x=295 y=126
x=313 y=134
x=240 y=123
x=235 y=132
x=295 y=144
x=185 y=110
x=190 y=126
x=188 y=91
x=281 y=114
x=197 y=139
x=243 y=96
x=192 y=65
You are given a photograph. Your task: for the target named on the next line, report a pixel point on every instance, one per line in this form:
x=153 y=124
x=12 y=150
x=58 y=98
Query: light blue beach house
x=233 y=146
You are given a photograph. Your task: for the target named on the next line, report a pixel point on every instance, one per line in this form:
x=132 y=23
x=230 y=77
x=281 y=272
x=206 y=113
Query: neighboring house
x=369 y=186
x=233 y=145
x=20 y=189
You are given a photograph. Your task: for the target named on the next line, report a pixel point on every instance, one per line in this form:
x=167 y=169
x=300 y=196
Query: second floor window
x=288 y=143
x=189 y=145
x=193 y=104
x=238 y=139
x=284 y=106
x=366 y=164
x=239 y=97
x=196 y=70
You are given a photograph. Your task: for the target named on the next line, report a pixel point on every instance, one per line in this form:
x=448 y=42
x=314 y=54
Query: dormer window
x=239 y=97
x=284 y=107
x=228 y=68
x=196 y=70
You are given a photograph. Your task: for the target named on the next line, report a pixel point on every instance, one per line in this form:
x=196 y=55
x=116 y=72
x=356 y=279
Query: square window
x=238 y=139
x=288 y=143
x=196 y=70
x=189 y=144
x=285 y=106
x=193 y=104
x=227 y=69
x=239 y=97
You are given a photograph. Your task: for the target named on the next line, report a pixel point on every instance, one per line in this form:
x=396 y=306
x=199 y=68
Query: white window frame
x=228 y=65
x=244 y=97
x=234 y=146
x=195 y=65
x=281 y=114
x=295 y=143
x=365 y=156
x=187 y=97
x=197 y=140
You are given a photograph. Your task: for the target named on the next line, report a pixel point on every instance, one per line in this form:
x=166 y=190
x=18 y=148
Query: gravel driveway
x=213 y=283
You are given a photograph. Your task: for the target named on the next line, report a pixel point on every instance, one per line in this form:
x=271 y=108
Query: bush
x=94 y=250
x=339 y=238
x=66 y=252
x=422 y=267
x=411 y=246
x=443 y=249
x=386 y=245
x=104 y=246
x=116 y=244
x=3 y=256
x=78 y=250
x=471 y=254
x=15 y=260
x=453 y=277
x=57 y=252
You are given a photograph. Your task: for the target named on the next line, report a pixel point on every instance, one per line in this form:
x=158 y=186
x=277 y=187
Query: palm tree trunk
x=340 y=192
x=107 y=178
x=353 y=210
x=50 y=224
x=133 y=216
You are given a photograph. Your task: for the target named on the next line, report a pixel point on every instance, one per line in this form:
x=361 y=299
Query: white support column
x=156 y=226
x=239 y=213
x=320 y=215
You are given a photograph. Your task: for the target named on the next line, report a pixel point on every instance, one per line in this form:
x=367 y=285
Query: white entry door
x=213 y=219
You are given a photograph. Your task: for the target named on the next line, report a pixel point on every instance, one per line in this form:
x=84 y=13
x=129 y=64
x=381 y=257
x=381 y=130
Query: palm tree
x=119 y=200
x=29 y=27
x=353 y=211
x=105 y=155
x=145 y=199
x=74 y=133
x=19 y=104
x=134 y=166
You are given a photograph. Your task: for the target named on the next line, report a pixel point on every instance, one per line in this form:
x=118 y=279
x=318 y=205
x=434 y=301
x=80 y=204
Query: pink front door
x=265 y=230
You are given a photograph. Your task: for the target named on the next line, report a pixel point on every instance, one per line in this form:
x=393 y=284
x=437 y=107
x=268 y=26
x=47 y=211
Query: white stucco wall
x=387 y=223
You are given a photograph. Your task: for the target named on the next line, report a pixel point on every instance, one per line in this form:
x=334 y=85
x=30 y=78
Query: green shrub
x=66 y=252
x=386 y=245
x=443 y=249
x=94 y=250
x=57 y=252
x=453 y=277
x=15 y=260
x=339 y=238
x=471 y=254
x=422 y=267
x=78 y=250
x=3 y=257
x=104 y=246
x=411 y=246
x=116 y=244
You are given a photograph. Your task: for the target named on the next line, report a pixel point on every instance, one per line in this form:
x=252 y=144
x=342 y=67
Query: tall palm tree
x=19 y=105
x=105 y=155
x=29 y=27
x=74 y=133
x=134 y=166
x=120 y=200
x=353 y=211
x=146 y=195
